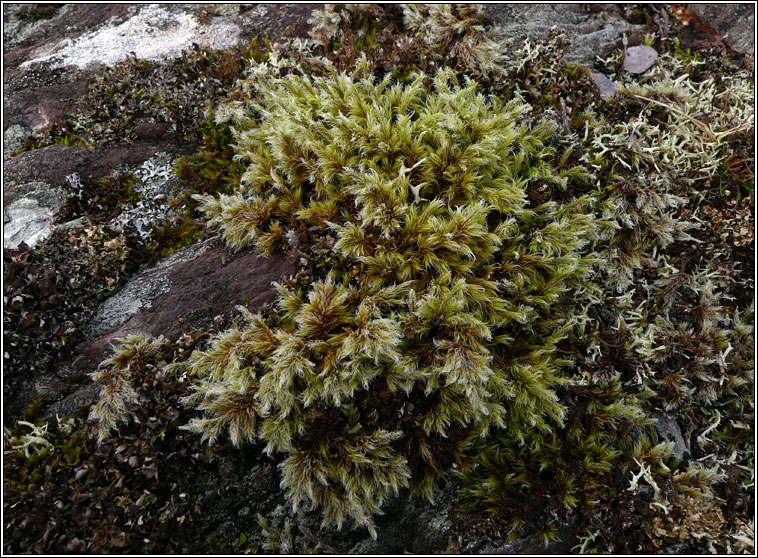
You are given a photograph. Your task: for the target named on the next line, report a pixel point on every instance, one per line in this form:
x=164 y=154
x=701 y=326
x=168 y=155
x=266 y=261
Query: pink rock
x=637 y=59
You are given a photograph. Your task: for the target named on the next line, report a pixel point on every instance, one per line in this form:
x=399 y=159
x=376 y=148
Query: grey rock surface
x=155 y=32
x=565 y=540
x=668 y=430
x=13 y=138
x=637 y=59
x=593 y=34
x=140 y=293
x=414 y=525
x=734 y=22
x=69 y=405
x=183 y=292
x=26 y=221
x=54 y=163
x=605 y=86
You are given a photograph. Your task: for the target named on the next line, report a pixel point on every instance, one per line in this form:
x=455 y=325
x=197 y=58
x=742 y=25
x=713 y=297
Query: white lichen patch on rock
x=155 y=33
x=156 y=180
x=26 y=221
x=29 y=219
x=156 y=176
x=13 y=138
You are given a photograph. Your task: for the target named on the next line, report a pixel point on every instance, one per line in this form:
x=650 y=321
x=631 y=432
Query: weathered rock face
x=182 y=293
x=53 y=164
x=29 y=211
x=593 y=34
x=596 y=30
x=36 y=108
x=734 y=22
x=154 y=32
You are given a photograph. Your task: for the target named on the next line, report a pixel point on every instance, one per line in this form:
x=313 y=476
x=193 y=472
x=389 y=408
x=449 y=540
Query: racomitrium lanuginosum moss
x=433 y=324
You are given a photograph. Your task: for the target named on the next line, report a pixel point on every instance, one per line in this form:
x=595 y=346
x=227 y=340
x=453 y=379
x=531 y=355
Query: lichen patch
x=154 y=33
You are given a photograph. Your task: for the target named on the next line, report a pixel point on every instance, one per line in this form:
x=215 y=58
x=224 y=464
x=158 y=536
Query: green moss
x=33 y=410
x=170 y=237
x=334 y=172
x=423 y=196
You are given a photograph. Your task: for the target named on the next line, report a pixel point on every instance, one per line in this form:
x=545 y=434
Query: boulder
x=184 y=292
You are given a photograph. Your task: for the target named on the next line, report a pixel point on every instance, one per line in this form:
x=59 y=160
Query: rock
x=592 y=34
x=29 y=215
x=54 y=163
x=183 y=292
x=13 y=139
x=669 y=431
x=605 y=87
x=75 y=19
x=36 y=183
x=25 y=221
x=151 y=131
x=43 y=85
x=735 y=23
x=156 y=32
x=413 y=525
x=83 y=221
x=38 y=108
x=70 y=405
x=638 y=59
x=277 y=21
x=565 y=540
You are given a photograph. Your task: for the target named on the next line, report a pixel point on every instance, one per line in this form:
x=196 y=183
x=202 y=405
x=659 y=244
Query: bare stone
x=669 y=431
x=605 y=87
x=110 y=44
x=140 y=293
x=733 y=22
x=183 y=292
x=592 y=34
x=14 y=137
x=638 y=59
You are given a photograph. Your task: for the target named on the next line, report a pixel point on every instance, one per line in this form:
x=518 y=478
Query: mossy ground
x=604 y=467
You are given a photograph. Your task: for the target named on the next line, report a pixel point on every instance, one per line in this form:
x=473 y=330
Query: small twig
x=715 y=137
x=186 y=221
x=314 y=539
x=700 y=124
